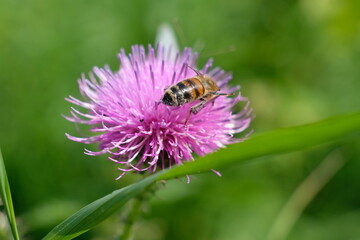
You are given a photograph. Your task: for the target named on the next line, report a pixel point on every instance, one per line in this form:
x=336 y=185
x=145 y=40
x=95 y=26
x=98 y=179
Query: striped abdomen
x=183 y=92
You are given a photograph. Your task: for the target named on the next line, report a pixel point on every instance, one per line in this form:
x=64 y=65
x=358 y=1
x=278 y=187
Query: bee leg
x=195 y=109
x=224 y=94
x=219 y=94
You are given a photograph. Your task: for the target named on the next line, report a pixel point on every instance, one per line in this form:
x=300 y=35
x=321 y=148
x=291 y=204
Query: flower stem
x=137 y=203
x=135 y=210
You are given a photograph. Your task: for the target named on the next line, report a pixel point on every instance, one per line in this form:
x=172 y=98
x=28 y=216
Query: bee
x=200 y=87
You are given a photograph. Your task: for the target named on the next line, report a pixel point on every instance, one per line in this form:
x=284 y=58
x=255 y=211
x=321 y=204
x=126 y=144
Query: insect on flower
x=128 y=123
x=200 y=87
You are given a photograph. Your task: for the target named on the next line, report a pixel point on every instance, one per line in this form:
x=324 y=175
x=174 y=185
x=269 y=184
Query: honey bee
x=200 y=87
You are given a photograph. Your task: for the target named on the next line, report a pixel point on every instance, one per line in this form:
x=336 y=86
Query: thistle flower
x=140 y=133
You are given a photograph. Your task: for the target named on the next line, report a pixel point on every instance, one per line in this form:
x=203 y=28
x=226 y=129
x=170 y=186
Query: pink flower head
x=140 y=133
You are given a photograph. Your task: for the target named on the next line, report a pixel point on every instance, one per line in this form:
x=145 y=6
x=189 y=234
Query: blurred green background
x=297 y=61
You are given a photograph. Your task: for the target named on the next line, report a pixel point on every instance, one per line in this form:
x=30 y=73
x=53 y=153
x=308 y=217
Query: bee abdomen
x=169 y=98
x=186 y=90
x=183 y=92
x=196 y=89
x=173 y=96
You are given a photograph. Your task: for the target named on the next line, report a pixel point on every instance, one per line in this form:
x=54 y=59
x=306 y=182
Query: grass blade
x=6 y=198
x=274 y=142
x=96 y=212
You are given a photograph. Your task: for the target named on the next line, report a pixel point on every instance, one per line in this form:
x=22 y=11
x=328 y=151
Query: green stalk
x=137 y=204
x=130 y=221
x=5 y=195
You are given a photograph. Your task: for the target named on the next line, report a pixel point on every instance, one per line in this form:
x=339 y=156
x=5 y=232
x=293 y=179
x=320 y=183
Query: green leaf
x=278 y=141
x=274 y=142
x=6 y=198
x=96 y=212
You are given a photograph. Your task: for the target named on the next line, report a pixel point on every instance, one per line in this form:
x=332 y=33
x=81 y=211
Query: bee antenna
x=196 y=71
